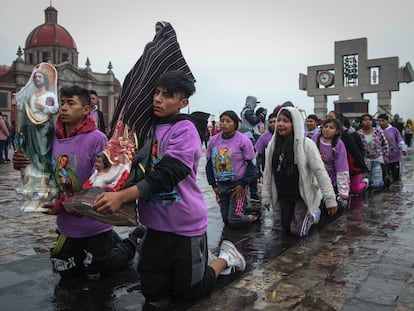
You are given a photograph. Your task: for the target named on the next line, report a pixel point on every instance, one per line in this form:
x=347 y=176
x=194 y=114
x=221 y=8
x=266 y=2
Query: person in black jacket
x=397 y=123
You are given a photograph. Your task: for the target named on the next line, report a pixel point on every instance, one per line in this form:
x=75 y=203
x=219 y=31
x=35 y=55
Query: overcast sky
x=235 y=48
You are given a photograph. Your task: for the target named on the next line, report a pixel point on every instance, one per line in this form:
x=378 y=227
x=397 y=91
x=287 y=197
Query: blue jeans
x=375 y=175
x=232 y=208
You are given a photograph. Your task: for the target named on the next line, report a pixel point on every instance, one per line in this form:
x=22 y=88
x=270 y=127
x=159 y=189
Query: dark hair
x=336 y=137
x=75 y=90
x=45 y=78
x=284 y=146
x=287 y=114
x=272 y=115
x=93 y=92
x=176 y=82
x=337 y=114
x=104 y=158
x=366 y=115
x=232 y=115
x=288 y=104
x=313 y=117
x=345 y=122
x=383 y=116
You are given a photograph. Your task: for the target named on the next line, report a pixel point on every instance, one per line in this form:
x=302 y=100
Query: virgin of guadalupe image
x=38 y=104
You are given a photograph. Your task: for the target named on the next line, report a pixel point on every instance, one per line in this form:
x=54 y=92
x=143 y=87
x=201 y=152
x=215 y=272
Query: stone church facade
x=51 y=42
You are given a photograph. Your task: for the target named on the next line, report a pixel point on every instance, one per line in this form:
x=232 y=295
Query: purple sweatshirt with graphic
x=182 y=211
x=81 y=150
x=229 y=156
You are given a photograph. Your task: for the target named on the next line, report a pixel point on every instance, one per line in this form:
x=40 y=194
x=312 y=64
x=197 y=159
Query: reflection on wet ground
x=359 y=260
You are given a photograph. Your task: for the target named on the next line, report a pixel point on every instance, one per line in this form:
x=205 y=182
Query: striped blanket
x=160 y=55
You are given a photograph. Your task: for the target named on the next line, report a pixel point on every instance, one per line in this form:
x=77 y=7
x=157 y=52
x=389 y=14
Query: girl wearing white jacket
x=295 y=179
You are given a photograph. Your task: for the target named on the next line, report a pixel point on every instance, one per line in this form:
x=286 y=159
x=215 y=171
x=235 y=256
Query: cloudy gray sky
x=235 y=48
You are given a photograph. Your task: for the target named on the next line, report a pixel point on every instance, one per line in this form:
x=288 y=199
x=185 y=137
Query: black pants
x=392 y=170
x=91 y=256
x=408 y=138
x=175 y=267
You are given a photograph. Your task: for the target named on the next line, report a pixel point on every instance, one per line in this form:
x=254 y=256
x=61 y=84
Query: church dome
x=50 y=33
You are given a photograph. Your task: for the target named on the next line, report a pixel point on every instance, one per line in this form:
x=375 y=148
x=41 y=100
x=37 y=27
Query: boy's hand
x=217 y=192
x=107 y=202
x=54 y=208
x=51 y=209
x=20 y=160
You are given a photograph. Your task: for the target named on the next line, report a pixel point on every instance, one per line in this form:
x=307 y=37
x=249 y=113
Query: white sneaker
x=234 y=259
x=342 y=203
x=366 y=182
x=316 y=216
x=212 y=257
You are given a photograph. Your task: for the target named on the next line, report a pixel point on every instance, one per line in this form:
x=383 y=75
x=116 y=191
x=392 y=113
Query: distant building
x=51 y=42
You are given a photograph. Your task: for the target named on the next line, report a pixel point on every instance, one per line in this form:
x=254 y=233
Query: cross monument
x=351 y=76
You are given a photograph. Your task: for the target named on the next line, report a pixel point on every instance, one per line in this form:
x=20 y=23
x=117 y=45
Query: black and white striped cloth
x=160 y=55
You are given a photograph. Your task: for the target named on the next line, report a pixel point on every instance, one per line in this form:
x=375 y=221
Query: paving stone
x=389 y=290
x=362 y=260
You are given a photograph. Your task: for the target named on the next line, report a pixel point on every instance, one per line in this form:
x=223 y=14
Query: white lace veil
x=50 y=74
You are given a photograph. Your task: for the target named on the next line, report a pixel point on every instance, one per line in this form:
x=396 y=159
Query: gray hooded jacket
x=249 y=118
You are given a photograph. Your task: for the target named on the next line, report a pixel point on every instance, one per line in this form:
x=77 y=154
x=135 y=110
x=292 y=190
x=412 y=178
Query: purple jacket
x=379 y=144
x=396 y=143
x=335 y=160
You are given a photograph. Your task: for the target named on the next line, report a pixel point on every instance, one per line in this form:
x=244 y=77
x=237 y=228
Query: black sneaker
x=388 y=181
x=138 y=233
x=255 y=211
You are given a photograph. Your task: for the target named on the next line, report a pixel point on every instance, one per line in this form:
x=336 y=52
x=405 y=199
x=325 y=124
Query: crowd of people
x=174 y=260
x=306 y=169
x=337 y=159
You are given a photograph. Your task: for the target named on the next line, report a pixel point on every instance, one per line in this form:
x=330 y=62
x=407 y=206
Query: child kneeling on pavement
x=174 y=256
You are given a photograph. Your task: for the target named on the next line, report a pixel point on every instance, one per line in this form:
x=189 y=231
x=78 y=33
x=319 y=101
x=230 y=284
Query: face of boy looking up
x=165 y=104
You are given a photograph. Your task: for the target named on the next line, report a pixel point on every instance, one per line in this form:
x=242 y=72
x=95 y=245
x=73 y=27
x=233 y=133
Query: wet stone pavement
x=360 y=260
